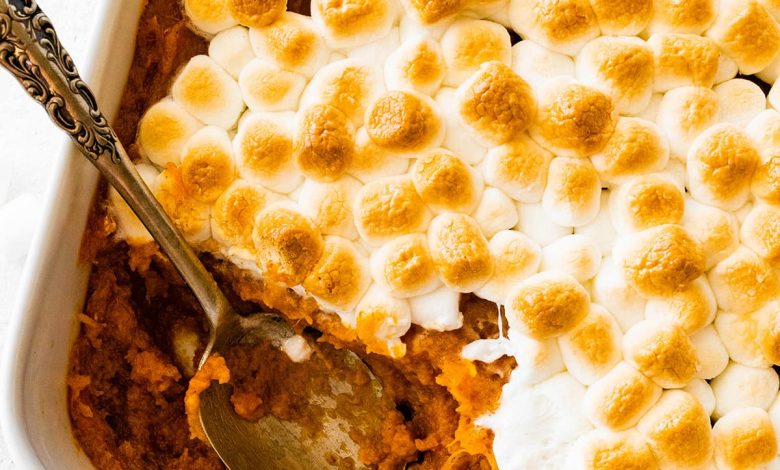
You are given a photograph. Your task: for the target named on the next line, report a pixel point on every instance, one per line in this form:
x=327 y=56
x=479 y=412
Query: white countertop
x=28 y=142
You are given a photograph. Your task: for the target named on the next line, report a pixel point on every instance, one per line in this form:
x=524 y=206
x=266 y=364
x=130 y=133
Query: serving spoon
x=31 y=51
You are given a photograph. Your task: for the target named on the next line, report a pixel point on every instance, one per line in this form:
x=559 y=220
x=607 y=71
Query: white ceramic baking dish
x=33 y=394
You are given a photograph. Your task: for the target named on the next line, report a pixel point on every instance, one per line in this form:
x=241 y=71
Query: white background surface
x=28 y=144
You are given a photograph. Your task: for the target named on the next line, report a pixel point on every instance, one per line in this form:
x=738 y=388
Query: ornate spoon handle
x=31 y=51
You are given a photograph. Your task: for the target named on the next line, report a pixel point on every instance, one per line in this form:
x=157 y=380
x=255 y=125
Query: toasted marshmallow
x=769 y=332
x=747 y=33
x=209 y=16
x=742 y=386
x=743 y=282
x=716 y=230
x=457 y=137
x=232 y=50
x=651 y=111
x=564 y=26
x=263 y=148
x=536 y=64
x=637 y=147
x=646 y=201
x=727 y=69
x=460 y=252
x=517 y=257
x=405 y=122
x=622 y=18
x=371 y=162
x=761 y=232
x=691 y=308
x=577 y=255
x=764 y=129
x=207 y=166
x=354 y=22
x=573 y=193
x=340 y=277
x=496 y=104
x=600 y=229
x=663 y=352
x=266 y=87
x=519 y=168
x=700 y=389
x=495 y=212
x=404 y=267
x=381 y=321
x=684 y=113
x=620 y=67
x=573 y=119
x=683 y=16
x=349 y=85
x=678 y=431
x=660 y=260
x=233 y=215
x=535 y=222
x=438 y=310
x=329 y=205
x=418 y=65
x=130 y=227
x=711 y=352
x=683 y=60
x=547 y=305
x=190 y=216
x=468 y=43
x=446 y=183
x=606 y=450
x=376 y=52
x=744 y=439
x=740 y=101
x=207 y=92
x=611 y=290
x=619 y=399
x=163 y=131
x=257 y=13
x=430 y=12
x=292 y=43
x=592 y=348
x=766 y=179
x=721 y=162
x=741 y=335
x=323 y=142
x=771 y=72
x=387 y=208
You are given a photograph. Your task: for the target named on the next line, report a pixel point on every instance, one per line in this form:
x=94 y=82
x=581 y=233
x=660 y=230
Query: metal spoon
x=31 y=51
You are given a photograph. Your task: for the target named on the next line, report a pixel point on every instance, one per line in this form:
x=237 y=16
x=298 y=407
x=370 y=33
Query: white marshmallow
x=378 y=51
x=457 y=138
x=774 y=416
x=536 y=64
x=739 y=101
x=742 y=386
x=740 y=336
x=764 y=129
x=650 y=113
x=266 y=87
x=232 y=50
x=536 y=360
x=495 y=212
x=773 y=98
x=711 y=352
x=600 y=230
x=438 y=310
x=716 y=230
x=516 y=258
x=703 y=392
x=727 y=69
x=577 y=255
x=536 y=223
x=593 y=347
x=611 y=290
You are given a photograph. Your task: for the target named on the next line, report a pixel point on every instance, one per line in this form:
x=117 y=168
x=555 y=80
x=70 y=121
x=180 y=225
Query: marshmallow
x=592 y=348
x=495 y=212
x=517 y=257
x=257 y=13
x=163 y=131
x=683 y=60
x=744 y=439
x=573 y=192
x=711 y=352
x=637 y=147
x=536 y=360
x=577 y=255
x=438 y=310
x=739 y=101
x=387 y=208
x=691 y=308
x=747 y=33
x=446 y=183
x=405 y=122
x=606 y=450
x=563 y=26
x=382 y=321
x=771 y=72
x=646 y=201
x=743 y=282
x=600 y=230
x=340 y=277
x=404 y=267
x=352 y=23
x=536 y=223
x=651 y=111
x=619 y=399
x=536 y=65
x=207 y=165
x=766 y=180
x=760 y=232
x=703 y=392
x=429 y=12
x=323 y=142
x=207 y=92
x=764 y=129
x=232 y=50
x=377 y=52
x=741 y=336
x=742 y=386
x=130 y=227
x=191 y=217
x=773 y=7
x=773 y=98
x=292 y=43
x=727 y=69
x=370 y=162
x=519 y=168
x=611 y=290
x=684 y=113
x=774 y=417
x=418 y=65
x=685 y=16
x=662 y=352
x=329 y=205
x=265 y=87
x=457 y=137
x=617 y=17
x=468 y=43
x=460 y=252
x=716 y=230
x=769 y=332
x=233 y=215
x=209 y=16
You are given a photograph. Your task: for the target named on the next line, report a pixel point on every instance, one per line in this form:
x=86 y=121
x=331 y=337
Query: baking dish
x=34 y=414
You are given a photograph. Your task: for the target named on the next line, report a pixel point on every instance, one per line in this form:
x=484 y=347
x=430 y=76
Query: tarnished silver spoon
x=31 y=51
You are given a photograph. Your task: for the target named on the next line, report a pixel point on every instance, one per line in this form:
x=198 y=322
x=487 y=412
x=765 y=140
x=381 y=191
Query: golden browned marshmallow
x=387 y=208
x=292 y=43
x=577 y=255
x=209 y=16
x=468 y=43
x=207 y=92
x=611 y=290
x=621 y=67
x=660 y=260
x=516 y=258
x=716 y=230
x=573 y=193
x=207 y=166
x=616 y=17
x=773 y=7
x=163 y=131
x=646 y=201
x=721 y=162
x=340 y=277
x=496 y=104
x=606 y=450
x=323 y=143
x=592 y=347
x=761 y=232
x=519 y=168
x=766 y=179
x=257 y=13
x=266 y=87
x=351 y=23
x=769 y=332
x=744 y=438
x=381 y=321
x=495 y=212
x=747 y=33
x=678 y=431
x=404 y=267
x=429 y=12
x=682 y=16
x=683 y=60
x=661 y=351
x=573 y=119
x=263 y=148
x=446 y=183
x=637 y=147
x=460 y=252
x=190 y=216
x=684 y=113
x=547 y=305
x=372 y=162
x=329 y=205
x=418 y=64
x=691 y=308
x=287 y=243
x=562 y=26
x=743 y=282
x=619 y=399
x=741 y=336
x=233 y=215
x=404 y=122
